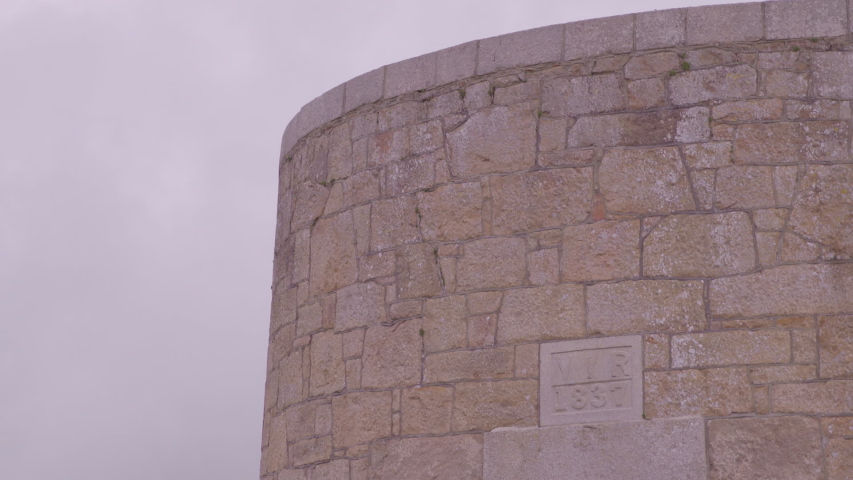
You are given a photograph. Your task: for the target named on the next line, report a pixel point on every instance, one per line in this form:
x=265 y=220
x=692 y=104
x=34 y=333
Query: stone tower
x=612 y=249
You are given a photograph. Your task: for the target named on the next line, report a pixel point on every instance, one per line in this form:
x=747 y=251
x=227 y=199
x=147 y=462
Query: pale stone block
x=292 y=474
x=599 y=36
x=426 y=137
x=700 y=246
x=641 y=129
x=831 y=72
x=734 y=347
x=805 y=18
x=426 y=410
x=376 y=265
x=283 y=307
x=361 y=187
x=456 y=63
x=835 y=337
x=476 y=97
x=571 y=96
x=718 y=83
x=361 y=417
x=451 y=212
x=710 y=392
x=839 y=458
x=290 y=386
x=544 y=267
x=569 y=158
x=444 y=323
x=321 y=110
x=393 y=221
x=510 y=146
x=405 y=309
x=309 y=201
x=409 y=75
x=785 y=180
x=651 y=65
x=780 y=448
x=781 y=83
x=327 y=364
x=528 y=47
x=645 y=306
x=418 y=274
x=392 y=355
x=427 y=458
x=821 y=141
x=610 y=64
x=818 y=109
x=770 y=219
x=276 y=453
x=481 y=330
x=360 y=305
x=748 y=110
x=386 y=147
x=725 y=23
x=592 y=380
x=552 y=134
x=353 y=372
x=542 y=313
x=365 y=88
x=705 y=57
x=783 y=373
x=448 y=104
x=301 y=420
x=333 y=261
x=483 y=302
x=823 y=210
x=480 y=364
x=601 y=251
x=661 y=28
x=309 y=319
x=745 y=187
x=540 y=200
x=646 y=93
x=310 y=451
x=411 y=174
x=520 y=92
x=334 y=470
x=492 y=263
x=832 y=397
x=656 y=351
x=708 y=155
x=796 y=249
x=527 y=361
x=402 y=114
x=643 y=181
x=364 y=125
x=655 y=450
x=488 y=405
x=703 y=187
x=768 y=247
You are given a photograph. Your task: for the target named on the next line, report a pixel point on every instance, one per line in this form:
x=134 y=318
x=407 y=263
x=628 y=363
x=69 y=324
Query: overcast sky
x=138 y=154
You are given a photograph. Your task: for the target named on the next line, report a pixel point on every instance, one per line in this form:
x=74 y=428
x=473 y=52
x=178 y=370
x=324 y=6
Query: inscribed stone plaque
x=592 y=380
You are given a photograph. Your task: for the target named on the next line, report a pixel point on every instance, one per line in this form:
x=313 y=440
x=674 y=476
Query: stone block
x=782 y=374
x=641 y=129
x=708 y=392
x=301 y=421
x=334 y=470
x=656 y=351
x=292 y=474
x=496 y=140
x=601 y=251
x=290 y=386
x=770 y=219
x=480 y=364
x=517 y=93
x=418 y=275
x=569 y=158
x=491 y=263
x=333 y=261
x=402 y=114
x=831 y=73
x=411 y=174
x=392 y=355
x=309 y=319
x=610 y=64
x=309 y=203
x=276 y=453
x=782 y=83
x=645 y=306
x=725 y=23
x=426 y=410
x=796 y=142
x=409 y=75
x=833 y=397
x=552 y=134
x=540 y=200
x=393 y=222
x=591 y=380
x=481 y=330
x=542 y=313
x=823 y=210
x=544 y=267
x=651 y=65
x=748 y=110
x=654 y=450
x=527 y=360
x=364 y=89
x=444 y=324
x=733 y=347
x=745 y=187
x=708 y=155
x=451 y=212
x=571 y=96
x=643 y=181
x=599 y=36
x=805 y=18
x=768 y=247
x=785 y=290
x=376 y=265
x=660 y=28
x=779 y=448
x=489 y=405
x=455 y=63
x=353 y=372
x=700 y=246
x=718 y=83
x=646 y=93
x=360 y=305
x=426 y=137
x=818 y=109
x=361 y=417
x=406 y=309
x=483 y=302
x=321 y=110
x=528 y=47
x=311 y=450
x=428 y=458
x=835 y=337
x=361 y=187
x=327 y=364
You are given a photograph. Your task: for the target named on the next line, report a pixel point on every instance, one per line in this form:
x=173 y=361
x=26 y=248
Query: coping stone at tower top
x=711 y=24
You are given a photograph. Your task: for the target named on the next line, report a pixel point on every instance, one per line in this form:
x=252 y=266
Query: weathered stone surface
x=544 y=267
x=444 y=323
x=406 y=309
x=775 y=143
x=426 y=410
x=539 y=45
x=708 y=155
x=724 y=23
x=311 y=450
x=835 y=337
x=283 y=307
x=327 y=363
x=645 y=306
x=832 y=71
x=527 y=360
x=552 y=134
x=481 y=364
x=301 y=421
x=361 y=417
x=542 y=313
x=333 y=262
x=700 y=246
x=292 y=474
x=734 y=347
x=491 y=263
x=838 y=447
x=651 y=65
x=823 y=210
x=428 y=458
x=363 y=89
x=645 y=181
x=783 y=373
x=796 y=249
x=639 y=129
x=809 y=18
x=610 y=64
x=599 y=36
x=539 y=200
x=804 y=345
x=656 y=351
x=710 y=392
x=571 y=96
x=360 y=187
x=832 y=397
x=818 y=109
x=456 y=63
x=568 y=158
x=654 y=450
x=660 y=28
x=392 y=355
x=393 y=221
x=401 y=114
x=411 y=174
x=418 y=274
x=483 y=302
x=767 y=244
x=601 y=251
x=499 y=139
x=520 y=92
x=309 y=319
x=410 y=75
x=705 y=57
x=382 y=264
x=748 y=110
x=290 y=385
x=785 y=290
x=782 y=83
x=481 y=330
x=646 y=93
x=779 y=448
x=451 y=212
x=488 y=405
x=770 y=219
x=360 y=305
x=718 y=83
x=334 y=470
x=276 y=453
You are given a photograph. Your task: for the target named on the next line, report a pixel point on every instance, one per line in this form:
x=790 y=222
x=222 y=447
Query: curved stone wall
x=652 y=211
